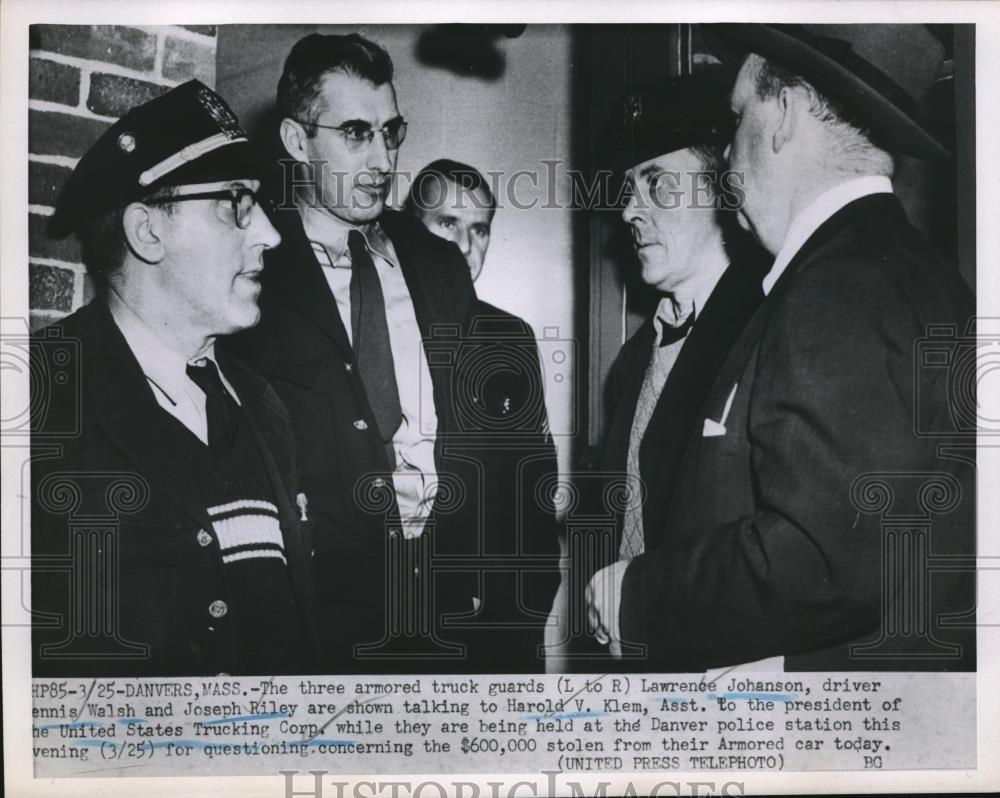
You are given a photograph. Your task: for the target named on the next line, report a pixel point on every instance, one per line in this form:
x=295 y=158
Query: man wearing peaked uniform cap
x=706 y=271
x=786 y=538
x=198 y=566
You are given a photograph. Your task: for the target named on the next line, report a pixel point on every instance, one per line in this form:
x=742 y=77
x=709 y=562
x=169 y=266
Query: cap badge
x=633 y=108
x=126 y=142
x=224 y=118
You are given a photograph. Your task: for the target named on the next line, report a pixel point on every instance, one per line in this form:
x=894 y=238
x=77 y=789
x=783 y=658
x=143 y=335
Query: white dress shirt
x=818 y=211
x=415 y=478
x=166 y=370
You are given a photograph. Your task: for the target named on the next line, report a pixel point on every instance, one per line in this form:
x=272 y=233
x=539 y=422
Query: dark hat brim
x=731 y=42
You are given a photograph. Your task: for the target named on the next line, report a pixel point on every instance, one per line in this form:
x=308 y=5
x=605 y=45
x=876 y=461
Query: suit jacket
x=381 y=601
x=780 y=536
x=732 y=302
x=106 y=457
x=508 y=433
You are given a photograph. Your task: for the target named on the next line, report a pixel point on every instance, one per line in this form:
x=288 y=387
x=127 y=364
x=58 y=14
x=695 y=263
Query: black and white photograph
x=586 y=398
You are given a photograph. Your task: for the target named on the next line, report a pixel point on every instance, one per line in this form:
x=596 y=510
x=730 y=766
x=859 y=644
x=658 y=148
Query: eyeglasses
x=359 y=136
x=242 y=201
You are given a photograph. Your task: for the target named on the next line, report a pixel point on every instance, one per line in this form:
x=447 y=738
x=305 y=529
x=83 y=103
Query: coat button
x=416 y=572
x=361 y=424
x=348 y=368
x=393 y=533
x=218 y=608
x=378 y=482
x=204 y=539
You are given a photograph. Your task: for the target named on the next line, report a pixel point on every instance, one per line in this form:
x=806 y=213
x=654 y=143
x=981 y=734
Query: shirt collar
x=327 y=230
x=161 y=365
x=818 y=211
x=669 y=315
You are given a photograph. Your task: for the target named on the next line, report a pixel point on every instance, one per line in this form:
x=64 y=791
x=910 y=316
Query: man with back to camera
x=502 y=376
x=821 y=426
x=707 y=275
x=361 y=310
x=183 y=455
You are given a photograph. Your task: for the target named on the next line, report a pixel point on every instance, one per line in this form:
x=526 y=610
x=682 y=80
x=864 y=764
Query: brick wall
x=82 y=78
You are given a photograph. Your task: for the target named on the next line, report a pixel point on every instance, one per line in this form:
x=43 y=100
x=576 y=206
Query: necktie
x=662 y=361
x=220 y=409
x=370 y=332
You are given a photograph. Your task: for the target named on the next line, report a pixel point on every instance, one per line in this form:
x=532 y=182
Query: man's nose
x=378 y=154
x=262 y=230
x=631 y=210
x=464 y=241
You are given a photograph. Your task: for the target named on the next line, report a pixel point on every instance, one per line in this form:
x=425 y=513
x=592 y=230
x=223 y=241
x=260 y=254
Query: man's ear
x=791 y=101
x=143 y=232
x=293 y=137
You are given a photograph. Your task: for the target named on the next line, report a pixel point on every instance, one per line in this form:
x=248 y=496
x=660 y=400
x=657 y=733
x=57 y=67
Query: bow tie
x=671 y=335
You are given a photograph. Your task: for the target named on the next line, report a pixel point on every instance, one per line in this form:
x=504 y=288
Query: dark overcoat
x=385 y=603
x=118 y=515
x=829 y=515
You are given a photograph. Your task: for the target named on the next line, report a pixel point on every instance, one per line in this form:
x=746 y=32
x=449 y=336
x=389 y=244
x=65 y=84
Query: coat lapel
x=295 y=270
x=413 y=274
x=129 y=414
x=134 y=421
x=734 y=299
x=425 y=311
x=879 y=204
x=266 y=429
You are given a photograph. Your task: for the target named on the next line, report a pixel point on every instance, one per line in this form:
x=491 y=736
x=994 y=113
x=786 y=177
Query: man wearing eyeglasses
x=361 y=310
x=195 y=564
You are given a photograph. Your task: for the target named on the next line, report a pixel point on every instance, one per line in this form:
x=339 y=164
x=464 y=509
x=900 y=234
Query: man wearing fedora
x=164 y=528
x=706 y=272
x=820 y=482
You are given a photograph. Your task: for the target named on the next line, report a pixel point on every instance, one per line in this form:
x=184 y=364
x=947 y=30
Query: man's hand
x=604 y=596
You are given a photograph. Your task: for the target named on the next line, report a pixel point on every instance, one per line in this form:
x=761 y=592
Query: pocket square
x=716 y=429
x=713 y=429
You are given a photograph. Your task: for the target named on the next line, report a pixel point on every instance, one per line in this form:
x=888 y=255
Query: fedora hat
x=670 y=115
x=881 y=73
